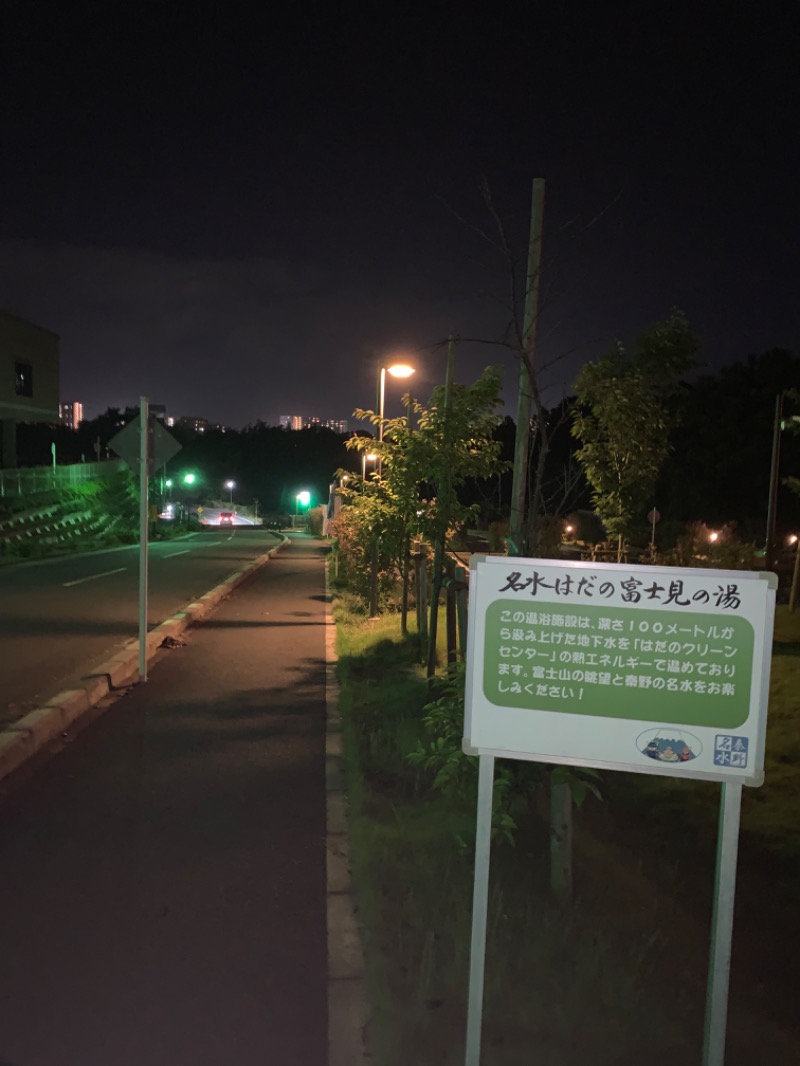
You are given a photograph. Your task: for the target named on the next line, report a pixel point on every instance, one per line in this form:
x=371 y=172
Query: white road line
x=94 y=577
x=176 y=554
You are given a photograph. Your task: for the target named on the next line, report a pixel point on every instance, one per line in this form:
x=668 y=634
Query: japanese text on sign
x=628 y=590
x=615 y=661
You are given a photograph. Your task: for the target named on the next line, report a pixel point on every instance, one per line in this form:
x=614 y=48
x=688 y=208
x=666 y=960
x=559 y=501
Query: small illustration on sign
x=669 y=745
x=731 y=750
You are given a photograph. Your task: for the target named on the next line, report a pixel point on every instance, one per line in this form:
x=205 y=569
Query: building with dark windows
x=28 y=380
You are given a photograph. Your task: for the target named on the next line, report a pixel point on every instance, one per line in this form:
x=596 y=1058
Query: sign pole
x=480 y=903
x=719 y=966
x=144 y=476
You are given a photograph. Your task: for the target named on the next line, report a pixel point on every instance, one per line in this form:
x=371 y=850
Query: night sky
x=242 y=215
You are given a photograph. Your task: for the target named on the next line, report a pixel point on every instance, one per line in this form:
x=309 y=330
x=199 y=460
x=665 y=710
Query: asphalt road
x=162 y=901
x=59 y=617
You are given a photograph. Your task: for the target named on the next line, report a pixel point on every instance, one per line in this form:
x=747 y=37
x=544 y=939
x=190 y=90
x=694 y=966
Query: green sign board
x=619 y=663
x=650 y=669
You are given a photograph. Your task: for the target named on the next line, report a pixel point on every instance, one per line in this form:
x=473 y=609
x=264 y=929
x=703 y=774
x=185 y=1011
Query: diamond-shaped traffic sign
x=161 y=445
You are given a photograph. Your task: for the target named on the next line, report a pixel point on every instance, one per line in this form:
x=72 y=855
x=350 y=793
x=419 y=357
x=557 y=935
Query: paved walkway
x=163 y=887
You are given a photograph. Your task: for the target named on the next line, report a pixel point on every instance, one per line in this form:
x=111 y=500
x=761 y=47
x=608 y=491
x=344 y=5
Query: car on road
x=226 y=518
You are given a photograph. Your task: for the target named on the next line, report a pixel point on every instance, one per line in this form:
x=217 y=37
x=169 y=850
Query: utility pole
x=772 y=503
x=442 y=506
x=516 y=525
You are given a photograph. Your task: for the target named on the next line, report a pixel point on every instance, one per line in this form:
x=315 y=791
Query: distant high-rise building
x=291 y=421
x=70 y=414
x=338 y=425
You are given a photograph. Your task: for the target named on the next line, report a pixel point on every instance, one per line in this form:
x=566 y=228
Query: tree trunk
x=560 y=841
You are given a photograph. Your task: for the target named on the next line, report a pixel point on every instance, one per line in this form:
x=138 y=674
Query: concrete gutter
x=25 y=738
x=348 y=1014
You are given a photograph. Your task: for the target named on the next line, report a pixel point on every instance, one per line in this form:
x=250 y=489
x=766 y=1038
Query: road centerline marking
x=176 y=554
x=94 y=577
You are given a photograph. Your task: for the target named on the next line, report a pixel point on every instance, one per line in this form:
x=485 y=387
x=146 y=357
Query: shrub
x=697 y=548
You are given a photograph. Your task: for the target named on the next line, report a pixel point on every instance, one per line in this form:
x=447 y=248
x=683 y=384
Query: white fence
x=24 y=481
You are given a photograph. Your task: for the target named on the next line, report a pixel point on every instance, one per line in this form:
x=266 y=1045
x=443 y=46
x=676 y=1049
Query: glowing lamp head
x=304 y=498
x=400 y=370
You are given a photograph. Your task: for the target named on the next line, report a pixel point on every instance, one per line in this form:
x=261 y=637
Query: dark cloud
x=243 y=217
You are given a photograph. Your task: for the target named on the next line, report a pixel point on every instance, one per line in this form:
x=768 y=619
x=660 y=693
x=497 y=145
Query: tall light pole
x=230 y=486
x=772 y=504
x=397 y=370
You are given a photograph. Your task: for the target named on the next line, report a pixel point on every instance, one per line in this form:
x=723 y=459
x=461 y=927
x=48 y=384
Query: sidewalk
x=166 y=898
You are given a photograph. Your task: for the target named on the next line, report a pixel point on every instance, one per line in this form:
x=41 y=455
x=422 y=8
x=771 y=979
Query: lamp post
x=230 y=486
x=772 y=504
x=397 y=370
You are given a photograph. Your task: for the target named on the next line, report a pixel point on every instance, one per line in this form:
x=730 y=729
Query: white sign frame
x=610 y=743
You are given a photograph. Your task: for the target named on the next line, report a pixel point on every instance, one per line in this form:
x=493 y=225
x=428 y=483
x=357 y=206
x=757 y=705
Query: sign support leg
x=719 y=966
x=480 y=901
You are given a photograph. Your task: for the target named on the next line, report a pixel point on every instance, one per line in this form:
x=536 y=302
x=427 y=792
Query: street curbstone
x=333 y=743
x=348 y=1010
x=347 y=1021
x=345 y=957
x=337 y=814
x=337 y=864
x=334 y=776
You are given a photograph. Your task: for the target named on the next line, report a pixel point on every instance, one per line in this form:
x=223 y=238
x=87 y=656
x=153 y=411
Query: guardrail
x=24 y=481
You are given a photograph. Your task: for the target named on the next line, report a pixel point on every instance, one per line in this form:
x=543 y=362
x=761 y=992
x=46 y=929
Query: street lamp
x=364 y=456
x=230 y=486
x=397 y=370
x=301 y=499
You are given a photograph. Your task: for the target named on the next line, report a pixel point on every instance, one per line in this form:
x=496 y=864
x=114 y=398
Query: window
x=24 y=379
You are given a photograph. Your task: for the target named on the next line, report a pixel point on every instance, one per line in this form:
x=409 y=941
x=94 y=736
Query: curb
x=21 y=740
x=348 y=1013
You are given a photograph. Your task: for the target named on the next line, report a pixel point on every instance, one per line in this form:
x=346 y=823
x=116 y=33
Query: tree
x=426 y=458
x=622 y=420
x=719 y=469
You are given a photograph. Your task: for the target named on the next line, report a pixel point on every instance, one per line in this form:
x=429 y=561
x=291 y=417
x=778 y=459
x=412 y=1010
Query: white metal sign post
x=145 y=446
x=644 y=669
